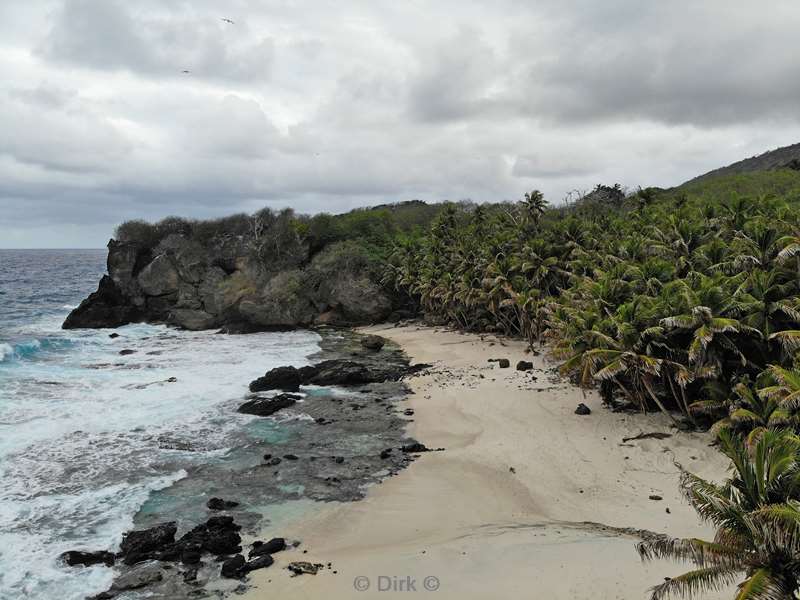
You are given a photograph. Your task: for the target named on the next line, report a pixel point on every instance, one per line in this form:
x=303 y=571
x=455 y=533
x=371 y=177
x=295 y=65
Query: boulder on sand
x=373 y=342
x=232 y=568
x=271 y=547
x=583 y=409
x=258 y=563
x=524 y=365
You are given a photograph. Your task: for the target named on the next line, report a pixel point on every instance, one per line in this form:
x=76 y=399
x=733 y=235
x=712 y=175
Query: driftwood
x=655 y=435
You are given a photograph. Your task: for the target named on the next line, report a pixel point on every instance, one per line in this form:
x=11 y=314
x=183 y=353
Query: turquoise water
x=88 y=436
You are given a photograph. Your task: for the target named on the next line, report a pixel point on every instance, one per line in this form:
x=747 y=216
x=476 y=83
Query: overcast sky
x=329 y=105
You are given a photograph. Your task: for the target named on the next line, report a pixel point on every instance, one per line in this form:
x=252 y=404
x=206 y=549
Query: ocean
x=92 y=440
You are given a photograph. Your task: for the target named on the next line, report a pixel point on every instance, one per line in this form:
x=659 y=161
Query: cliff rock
x=186 y=284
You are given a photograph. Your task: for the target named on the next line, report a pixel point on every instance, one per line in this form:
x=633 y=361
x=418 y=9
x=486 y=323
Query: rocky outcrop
x=107 y=307
x=264 y=407
x=191 y=286
x=140 y=549
x=332 y=372
x=77 y=557
x=141 y=545
x=287 y=379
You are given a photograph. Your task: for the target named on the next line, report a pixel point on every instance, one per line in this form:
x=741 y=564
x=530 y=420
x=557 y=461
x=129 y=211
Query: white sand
x=484 y=531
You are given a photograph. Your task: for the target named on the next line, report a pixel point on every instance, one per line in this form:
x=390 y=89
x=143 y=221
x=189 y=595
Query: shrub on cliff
x=148 y=235
x=347 y=257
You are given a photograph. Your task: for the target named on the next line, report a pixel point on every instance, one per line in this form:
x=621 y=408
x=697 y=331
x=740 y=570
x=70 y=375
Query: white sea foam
x=6 y=352
x=82 y=447
x=92 y=520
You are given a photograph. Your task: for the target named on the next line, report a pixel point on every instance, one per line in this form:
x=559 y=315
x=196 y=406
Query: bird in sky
x=228 y=21
x=186 y=71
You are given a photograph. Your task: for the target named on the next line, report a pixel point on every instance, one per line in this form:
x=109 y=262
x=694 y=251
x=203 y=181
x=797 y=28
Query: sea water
x=87 y=435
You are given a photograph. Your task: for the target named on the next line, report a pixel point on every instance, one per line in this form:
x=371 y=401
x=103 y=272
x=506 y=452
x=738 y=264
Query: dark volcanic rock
x=503 y=363
x=216 y=284
x=372 y=342
x=415 y=447
x=302 y=567
x=524 y=365
x=191 y=556
x=77 y=557
x=583 y=409
x=280 y=378
x=271 y=547
x=331 y=372
x=343 y=372
x=126 y=352
x=220 y=504
x=258 y=563
x=107 y=307
x=218 y=535
x=144 y=544
x=232 y=568
x=417 y=368
x=264 y=407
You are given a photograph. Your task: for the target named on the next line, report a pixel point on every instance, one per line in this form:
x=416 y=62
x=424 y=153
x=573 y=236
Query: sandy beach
x=528 y=499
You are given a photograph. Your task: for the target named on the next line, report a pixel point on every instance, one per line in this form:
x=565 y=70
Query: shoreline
x=527 y=497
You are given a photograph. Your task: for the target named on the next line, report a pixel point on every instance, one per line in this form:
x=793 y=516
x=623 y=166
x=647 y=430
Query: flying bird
x=228 y=21
x=186 y=71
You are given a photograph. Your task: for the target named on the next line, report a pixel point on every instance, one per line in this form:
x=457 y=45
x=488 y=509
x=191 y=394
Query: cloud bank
x=326 y=106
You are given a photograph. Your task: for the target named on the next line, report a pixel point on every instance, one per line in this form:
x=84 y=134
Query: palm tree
x=749 y=411
x=710 y=332
x=534 y=206
x=757 y=244
x=757 y=517
x=763 y=301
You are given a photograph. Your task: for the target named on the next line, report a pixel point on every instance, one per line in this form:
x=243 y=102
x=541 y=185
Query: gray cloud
x=112 y=34
x=370 y=101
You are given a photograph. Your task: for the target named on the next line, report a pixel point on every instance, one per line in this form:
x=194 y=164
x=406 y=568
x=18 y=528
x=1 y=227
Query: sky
x=330 y=105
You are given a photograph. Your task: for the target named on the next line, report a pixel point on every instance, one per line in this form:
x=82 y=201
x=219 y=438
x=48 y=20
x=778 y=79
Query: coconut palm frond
x=695 y=582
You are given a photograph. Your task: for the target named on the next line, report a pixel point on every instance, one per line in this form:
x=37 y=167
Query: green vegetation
x=685 y=301
x=757 y=516
x=285 y=235
x=676 y=299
